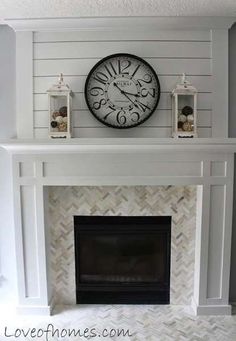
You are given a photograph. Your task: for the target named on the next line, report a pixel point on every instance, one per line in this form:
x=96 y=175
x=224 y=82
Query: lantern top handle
x=184 y=81
x=60 y=86
x=184 y=87
x=60 y=79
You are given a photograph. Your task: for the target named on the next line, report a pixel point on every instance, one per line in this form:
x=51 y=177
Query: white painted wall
x=7 y=130
x=7 y=82
x=232 y=133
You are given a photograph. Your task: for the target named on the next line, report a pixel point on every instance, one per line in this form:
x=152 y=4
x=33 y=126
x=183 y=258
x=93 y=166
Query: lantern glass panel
x=58 y=113
x=185 y=113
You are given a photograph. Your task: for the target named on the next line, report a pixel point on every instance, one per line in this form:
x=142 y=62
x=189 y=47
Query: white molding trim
x=220 y=92
x=120 y=23
x=24 y=84
x=118 y=145
x=200 y=310
x=34 y=310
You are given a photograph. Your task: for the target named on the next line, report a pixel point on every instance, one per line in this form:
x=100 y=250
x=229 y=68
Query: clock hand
x=129 y=93
x=118 y=87
x=125 y=92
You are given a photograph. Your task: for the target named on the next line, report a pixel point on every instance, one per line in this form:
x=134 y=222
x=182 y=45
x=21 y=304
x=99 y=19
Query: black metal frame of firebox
x=122 y=293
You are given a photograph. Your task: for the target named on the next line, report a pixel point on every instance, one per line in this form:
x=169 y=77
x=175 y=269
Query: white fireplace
x=205 y=163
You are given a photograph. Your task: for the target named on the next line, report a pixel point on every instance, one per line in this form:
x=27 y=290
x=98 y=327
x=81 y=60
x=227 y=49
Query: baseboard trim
x=34 y=310
x=211 y=309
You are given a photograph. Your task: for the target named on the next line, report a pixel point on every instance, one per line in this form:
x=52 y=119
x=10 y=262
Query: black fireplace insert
x=122 y=260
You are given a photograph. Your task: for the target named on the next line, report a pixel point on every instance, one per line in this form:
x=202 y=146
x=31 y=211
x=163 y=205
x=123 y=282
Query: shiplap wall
x=169 y=52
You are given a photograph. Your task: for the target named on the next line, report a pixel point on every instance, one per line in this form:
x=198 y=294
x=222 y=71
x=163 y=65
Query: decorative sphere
x=55 y=114
x=190 y=118
x=54 y=124
x=63 y=111
x=187 y=126
x=62 y=127
x=187 y=110
x=182 y=118
x=59 y=119
x=65 y=119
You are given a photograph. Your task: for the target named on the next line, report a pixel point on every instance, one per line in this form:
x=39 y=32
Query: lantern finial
x=60 y=86
x=60 y=79
x=184 y=81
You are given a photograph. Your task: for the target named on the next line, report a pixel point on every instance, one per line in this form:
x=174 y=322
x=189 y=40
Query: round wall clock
x=122 y=90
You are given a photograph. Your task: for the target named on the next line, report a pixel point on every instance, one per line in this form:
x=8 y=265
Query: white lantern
x=184 y=109
x=60 y=103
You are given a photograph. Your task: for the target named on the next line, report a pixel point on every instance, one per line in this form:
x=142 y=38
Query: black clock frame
x=115 y=56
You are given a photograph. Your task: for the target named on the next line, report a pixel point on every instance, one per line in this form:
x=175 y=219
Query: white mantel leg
x=212 y=251
x=33 y=282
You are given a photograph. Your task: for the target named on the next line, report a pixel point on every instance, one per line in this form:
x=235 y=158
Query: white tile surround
x=206 y=163
x=177 y=202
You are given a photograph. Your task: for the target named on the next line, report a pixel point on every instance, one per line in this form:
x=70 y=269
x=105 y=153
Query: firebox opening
x=122 y=259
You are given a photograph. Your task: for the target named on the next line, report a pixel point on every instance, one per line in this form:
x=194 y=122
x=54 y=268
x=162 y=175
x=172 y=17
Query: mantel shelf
x=118 y=145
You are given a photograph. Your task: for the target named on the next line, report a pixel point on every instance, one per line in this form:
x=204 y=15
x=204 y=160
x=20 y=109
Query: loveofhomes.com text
x=51 y=332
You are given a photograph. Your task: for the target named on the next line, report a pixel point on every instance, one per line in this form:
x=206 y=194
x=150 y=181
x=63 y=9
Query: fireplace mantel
x=206 y=163
x=118 y=144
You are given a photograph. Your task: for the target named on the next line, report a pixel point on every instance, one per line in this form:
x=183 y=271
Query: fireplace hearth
x=122 y=259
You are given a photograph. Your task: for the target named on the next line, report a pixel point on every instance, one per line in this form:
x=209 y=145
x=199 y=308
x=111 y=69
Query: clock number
x=101 y=77
x=97 y=105
x=123 y=66
x=145 y=92
x=135 y=70
x=120 y=117
x=112 y=69
x=109 y=113
x=141 y=106
x=135 y=119
x=146 y=79
x=96 y=90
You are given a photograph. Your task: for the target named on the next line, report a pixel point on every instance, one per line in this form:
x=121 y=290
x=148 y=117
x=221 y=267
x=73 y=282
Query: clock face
x=122 y=91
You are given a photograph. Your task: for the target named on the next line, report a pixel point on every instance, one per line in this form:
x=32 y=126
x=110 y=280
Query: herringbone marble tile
x=145 y=323
x=178 y=202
